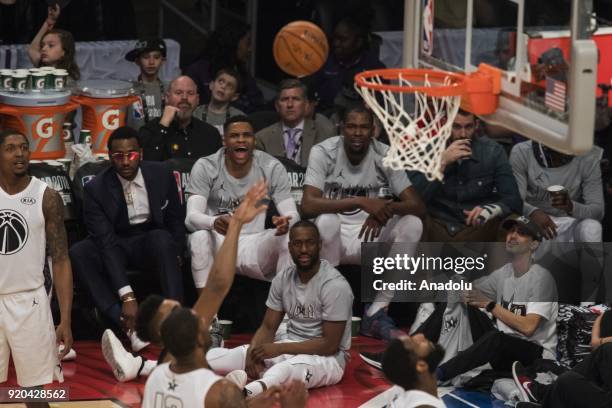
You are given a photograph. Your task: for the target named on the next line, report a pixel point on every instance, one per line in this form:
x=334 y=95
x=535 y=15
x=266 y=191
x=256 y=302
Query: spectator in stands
x=134 y=220
x=411 y=363
x=53 y=47
x=356 y=199
x=350 y=55
x=228 y=47
x=149 y=55
x=571 y=215
x=588 y=384
x=478 y=191
x=521 y=296
x=216 y=186
x=321 y=121
x=177 y=134
x=224 y=90
x=294 y=135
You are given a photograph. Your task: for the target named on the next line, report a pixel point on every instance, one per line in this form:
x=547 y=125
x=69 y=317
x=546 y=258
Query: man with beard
x=318 y=302
x=521 y=296
x=177 y=134
x=217 y=185
x=31 y=220
x=356 y=199
x=411 y=363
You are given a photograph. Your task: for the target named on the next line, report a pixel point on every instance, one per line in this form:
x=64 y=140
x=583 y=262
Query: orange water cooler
x=40 y=117
x=105 y=105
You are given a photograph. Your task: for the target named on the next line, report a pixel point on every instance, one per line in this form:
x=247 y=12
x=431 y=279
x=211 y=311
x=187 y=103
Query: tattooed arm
x=53 y=210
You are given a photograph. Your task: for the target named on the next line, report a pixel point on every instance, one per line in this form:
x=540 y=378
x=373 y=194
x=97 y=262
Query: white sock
x=254 y=388
x=149 y=365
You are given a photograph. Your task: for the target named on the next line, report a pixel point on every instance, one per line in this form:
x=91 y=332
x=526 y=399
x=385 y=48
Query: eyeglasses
x=120 y=156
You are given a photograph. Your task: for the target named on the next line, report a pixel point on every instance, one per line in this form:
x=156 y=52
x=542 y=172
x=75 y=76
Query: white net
x=418 y=125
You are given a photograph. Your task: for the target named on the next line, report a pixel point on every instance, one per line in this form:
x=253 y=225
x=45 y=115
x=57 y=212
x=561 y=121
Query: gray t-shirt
x=533 y=292
x=150 y=105
x=326 y=297
x=216 y=119
x=210 y=179
x=330 y=171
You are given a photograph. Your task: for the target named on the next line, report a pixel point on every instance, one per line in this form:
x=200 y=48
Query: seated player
x=521 y=296
x=588 y=384
x=224 y=90
x=188 y=379
x=478 y=191
x=411 y=363
x=216 y=186
x=356 y=199
x=134 y=219
x=318 y=302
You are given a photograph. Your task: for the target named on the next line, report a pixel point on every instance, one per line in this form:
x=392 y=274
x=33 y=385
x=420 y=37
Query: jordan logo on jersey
x=172 y=385
x=13 y=232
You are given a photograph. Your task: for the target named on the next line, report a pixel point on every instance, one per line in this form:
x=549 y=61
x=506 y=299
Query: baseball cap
x=525 y=225
x=156 y=44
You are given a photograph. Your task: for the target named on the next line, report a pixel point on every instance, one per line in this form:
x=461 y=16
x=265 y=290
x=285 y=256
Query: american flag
x=555 y=94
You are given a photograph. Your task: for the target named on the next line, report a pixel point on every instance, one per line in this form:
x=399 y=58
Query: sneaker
x=372 y=359
x=125 y=366
x=70 y=356
x=216 y=334
x=379 y=325
x=238 y=377
x=136 y=343
x=523 y=382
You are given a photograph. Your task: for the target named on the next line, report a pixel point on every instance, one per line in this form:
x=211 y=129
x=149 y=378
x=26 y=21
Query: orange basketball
x=300 y=48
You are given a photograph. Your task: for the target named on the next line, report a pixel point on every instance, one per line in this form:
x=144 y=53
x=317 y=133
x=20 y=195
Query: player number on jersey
x=167 y=401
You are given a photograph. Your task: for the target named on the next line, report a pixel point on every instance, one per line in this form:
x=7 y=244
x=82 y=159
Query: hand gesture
x=63 y=335
x=282 y=224
x=378 y=208
x=251 y=204
x=53 y=13
x=264 y=351
x=168 y=115
x=458 y=149
x=371 y=229
x=293 y=395
x=472 y=216
x=562 y=201
x=476 y=298
x=546 y=224
x=252 y=367
x=221 y=223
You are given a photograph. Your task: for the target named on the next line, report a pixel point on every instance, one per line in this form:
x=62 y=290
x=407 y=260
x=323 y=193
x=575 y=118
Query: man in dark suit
x=135 y=220
x=294 y=135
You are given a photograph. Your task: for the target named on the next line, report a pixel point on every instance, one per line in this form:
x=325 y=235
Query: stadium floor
x=92 y=384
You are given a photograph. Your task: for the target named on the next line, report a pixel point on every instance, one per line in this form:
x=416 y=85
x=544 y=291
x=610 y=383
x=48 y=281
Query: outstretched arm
x=223 y=269
x=53 y=210
x=34 y=47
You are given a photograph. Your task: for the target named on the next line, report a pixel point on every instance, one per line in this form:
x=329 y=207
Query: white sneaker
x=71 y=355
x=136 y=343
x=125 y=366
x=238 y=377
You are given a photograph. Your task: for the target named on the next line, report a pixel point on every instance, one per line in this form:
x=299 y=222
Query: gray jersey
x=330 y=171
x=209 y=178
x=150 y=105
x=326 y=297
x=535 y=292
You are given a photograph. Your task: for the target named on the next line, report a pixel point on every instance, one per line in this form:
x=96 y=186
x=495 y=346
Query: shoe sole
x=523 y=393
x=108 y=351
x=371 y=362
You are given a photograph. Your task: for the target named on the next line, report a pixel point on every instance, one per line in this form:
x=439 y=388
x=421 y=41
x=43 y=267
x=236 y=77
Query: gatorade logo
x=110 y=119
x=40 y=83
x=44 y=127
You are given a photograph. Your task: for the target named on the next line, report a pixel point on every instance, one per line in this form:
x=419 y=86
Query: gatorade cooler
x=104 y=103
x=40 y=116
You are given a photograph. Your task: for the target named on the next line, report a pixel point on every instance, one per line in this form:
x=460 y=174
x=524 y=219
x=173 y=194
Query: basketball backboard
x=549 y=67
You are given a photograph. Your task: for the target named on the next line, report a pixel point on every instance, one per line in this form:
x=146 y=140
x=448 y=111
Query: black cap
x=156 y=44
x=526 y=225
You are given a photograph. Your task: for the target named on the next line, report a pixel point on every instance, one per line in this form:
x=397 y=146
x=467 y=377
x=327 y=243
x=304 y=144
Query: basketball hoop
x=417 y=108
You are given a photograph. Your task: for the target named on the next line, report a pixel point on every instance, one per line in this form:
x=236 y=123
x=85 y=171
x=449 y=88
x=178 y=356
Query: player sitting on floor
x=188 y=382
x=356 y=199
x=318 y=302
x=216 y=185
x=411 y=363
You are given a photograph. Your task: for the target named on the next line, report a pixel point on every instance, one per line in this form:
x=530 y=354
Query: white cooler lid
x=104 y=88
x=35 y=99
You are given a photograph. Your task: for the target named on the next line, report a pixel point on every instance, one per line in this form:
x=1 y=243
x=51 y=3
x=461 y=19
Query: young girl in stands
x=53 y=47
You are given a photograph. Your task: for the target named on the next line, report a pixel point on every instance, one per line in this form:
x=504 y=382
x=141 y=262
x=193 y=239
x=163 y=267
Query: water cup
x=20 y=81
x=38 y=81
x=226 y=328
x=355 y=325
x=60 y=79
x=66 y=163
x=6 y=79
x=556 y=190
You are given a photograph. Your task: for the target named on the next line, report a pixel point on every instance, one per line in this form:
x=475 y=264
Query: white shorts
x=27 y=332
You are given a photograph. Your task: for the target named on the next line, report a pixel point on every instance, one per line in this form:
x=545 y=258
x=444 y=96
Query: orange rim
x=437 y=79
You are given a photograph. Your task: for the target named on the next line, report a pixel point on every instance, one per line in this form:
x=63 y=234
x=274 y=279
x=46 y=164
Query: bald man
x=177 y=134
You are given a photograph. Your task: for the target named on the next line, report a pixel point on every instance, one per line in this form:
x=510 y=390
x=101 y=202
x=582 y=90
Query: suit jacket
x=106 y=216
x=271 y=140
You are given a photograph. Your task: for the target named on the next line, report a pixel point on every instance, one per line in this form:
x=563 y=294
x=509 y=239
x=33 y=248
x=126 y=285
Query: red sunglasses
x=120 y=156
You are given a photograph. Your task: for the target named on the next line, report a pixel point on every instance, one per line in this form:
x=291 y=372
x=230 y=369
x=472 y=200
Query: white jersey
x=164 y=388
x=416 y=398
x=22 y=239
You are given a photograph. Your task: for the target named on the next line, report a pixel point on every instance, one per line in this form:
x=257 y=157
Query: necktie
x=292 y=145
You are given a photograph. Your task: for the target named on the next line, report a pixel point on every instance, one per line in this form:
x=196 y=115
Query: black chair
x=263 y=119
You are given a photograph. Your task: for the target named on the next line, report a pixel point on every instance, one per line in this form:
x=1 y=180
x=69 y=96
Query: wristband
x=490 y=306
x=128 y=299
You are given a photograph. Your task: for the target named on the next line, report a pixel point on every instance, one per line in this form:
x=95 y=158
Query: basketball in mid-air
x=300 y=48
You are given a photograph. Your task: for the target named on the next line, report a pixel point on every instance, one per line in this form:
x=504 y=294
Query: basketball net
x=417 y=133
